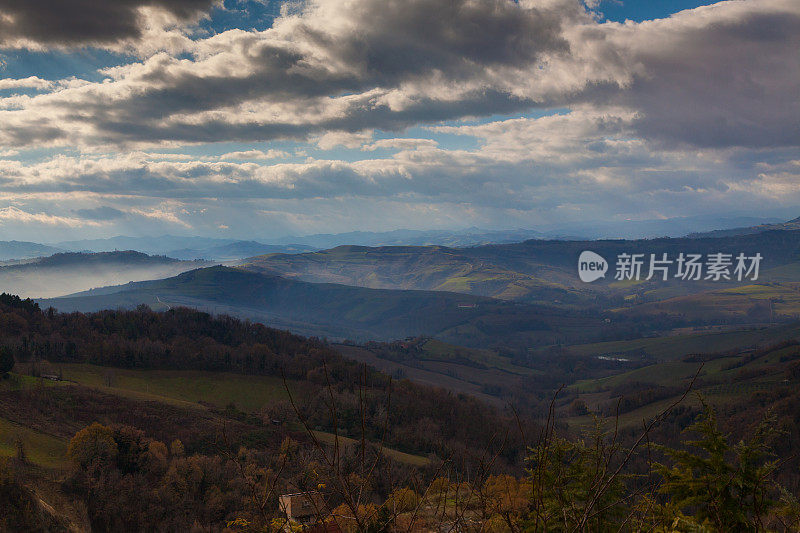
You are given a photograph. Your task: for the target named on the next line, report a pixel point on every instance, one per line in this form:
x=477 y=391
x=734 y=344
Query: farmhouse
x=302 y=507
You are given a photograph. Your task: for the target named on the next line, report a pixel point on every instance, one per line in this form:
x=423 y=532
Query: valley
x=408 y=353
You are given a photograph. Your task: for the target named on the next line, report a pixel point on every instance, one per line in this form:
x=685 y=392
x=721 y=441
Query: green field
x=724 y=380
x=667 y=373
x=675 y=347
x=249 y=393
x=402 y=457
x=188 y=389
x=40 y=449
x=767 y=300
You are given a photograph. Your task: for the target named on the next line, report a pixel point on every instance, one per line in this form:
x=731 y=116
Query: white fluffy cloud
x=31 y=82
x=256 y=154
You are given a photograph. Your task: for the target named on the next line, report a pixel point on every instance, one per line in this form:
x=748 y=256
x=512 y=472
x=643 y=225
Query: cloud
x=400 y=144
x=721 y=75
x=82 y=22
x=587 y=159
x=163 y=213
x=256 y=154
x=654 y=119
x=13 y=214
x=336 y=66
x=717 y=76
x=31 y=82
x=334 y=139
x=100 y=213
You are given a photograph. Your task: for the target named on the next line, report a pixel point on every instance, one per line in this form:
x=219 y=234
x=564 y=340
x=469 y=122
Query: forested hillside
x=184 y=339
x=184 y=420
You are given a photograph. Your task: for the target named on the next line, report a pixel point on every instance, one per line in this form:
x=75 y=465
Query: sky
x=258 y=119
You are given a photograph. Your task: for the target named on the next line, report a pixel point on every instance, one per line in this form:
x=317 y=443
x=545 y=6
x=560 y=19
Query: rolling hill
x=482 y=271
x=341 y=311
x=531 y=271
x=740 y=379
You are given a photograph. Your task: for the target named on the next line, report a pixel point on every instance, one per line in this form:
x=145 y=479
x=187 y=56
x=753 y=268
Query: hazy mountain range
x=222 y=250
x=624 y=229
x=66 y=273
x=15 y=250
x=517 y=294
x=793 y=224
x=187 y=248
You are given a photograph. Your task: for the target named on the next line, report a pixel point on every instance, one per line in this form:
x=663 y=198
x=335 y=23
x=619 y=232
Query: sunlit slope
x=535 y=270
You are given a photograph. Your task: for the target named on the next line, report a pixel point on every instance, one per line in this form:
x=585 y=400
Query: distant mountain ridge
x=790 y=225
x=81 y=258
x=230 y=249
x=10 y=250
x=185 y=248
x=587 y=230
x=404 y=237
x=236 y=250
x=149 y=245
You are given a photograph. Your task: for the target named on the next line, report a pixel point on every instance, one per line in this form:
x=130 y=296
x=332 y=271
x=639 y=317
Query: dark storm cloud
x=77 y=22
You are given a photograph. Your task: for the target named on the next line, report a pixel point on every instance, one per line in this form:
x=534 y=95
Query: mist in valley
x=64 y=274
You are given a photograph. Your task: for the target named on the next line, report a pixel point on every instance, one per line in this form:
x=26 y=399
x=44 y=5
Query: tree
x=92 y=444
x=506 y=500
x=727 y=487
x=6 y=361
x=402 y=500
x=573 y=485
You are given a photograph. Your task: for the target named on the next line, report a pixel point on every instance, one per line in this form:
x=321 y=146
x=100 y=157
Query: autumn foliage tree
x=93 y=444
